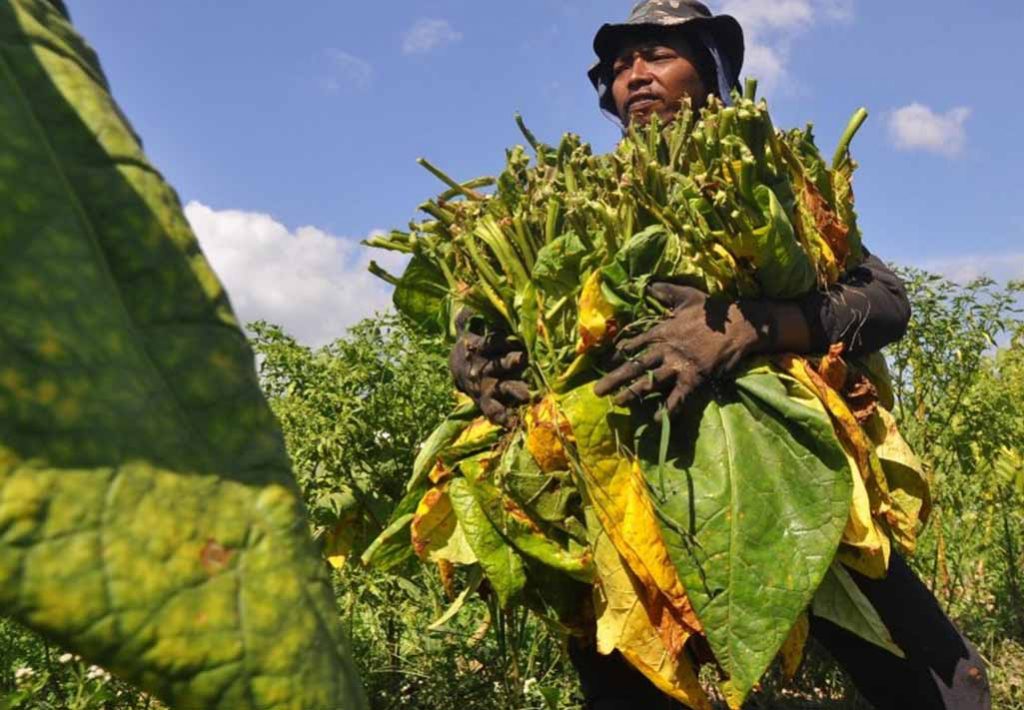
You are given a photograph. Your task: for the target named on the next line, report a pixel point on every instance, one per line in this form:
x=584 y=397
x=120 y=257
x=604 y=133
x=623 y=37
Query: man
x=668 y=50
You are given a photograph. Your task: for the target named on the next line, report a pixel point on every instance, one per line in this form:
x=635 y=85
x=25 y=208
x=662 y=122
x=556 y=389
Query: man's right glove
x=488 y=368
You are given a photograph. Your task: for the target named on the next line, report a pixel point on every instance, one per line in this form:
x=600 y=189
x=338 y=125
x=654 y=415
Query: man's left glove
x=702 y=337
x=488 y=368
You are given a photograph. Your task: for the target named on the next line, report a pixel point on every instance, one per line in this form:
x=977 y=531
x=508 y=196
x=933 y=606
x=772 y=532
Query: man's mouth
x=641 y=102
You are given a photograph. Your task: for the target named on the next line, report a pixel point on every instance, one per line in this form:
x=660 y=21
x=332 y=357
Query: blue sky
x=292 y=133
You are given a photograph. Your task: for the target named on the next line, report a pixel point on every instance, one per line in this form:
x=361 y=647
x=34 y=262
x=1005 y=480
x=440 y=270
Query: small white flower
x=66 y=657
x=528 y=685
x=24 y=673
x=97 y=673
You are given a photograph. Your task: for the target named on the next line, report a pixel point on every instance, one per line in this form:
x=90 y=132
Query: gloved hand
x=701 y=338
x=488 y=368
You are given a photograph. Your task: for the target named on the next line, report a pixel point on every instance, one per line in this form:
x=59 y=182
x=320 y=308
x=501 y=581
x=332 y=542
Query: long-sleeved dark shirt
x=867 y=310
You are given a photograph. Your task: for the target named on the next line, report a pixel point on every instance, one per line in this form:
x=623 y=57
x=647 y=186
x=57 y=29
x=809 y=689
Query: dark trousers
x=942 y=670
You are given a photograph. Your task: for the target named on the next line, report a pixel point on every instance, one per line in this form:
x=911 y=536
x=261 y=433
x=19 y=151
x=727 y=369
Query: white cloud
x=771 y=26
x=311 y=283
x=1001 y=267
x=347 y=70
x=426 y=35
x=918 y=127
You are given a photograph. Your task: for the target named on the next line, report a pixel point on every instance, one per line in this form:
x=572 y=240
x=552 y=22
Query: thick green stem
x=750 y=90
x=375 y=269
x=851 y=130
x=552 y=221
x=473 y=184
x=443 y=177
x=537 y=146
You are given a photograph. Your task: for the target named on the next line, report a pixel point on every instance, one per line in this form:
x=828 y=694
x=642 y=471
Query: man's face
x=653 y=76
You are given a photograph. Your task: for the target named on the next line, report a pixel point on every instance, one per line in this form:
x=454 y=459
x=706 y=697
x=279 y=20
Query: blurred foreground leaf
x=148 y=517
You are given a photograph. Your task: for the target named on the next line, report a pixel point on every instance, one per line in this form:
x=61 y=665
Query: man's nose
x=639 y=74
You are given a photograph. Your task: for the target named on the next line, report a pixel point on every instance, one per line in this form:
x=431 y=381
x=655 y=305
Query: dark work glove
x=701 y=338
x=488 y=368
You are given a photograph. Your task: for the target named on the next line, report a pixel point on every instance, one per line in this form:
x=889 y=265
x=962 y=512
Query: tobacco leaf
x=546 y=431
x=840 y=601
x=623 y=624
x=149 y=520
x=752 y=498
x=480 y=435
x=422 y=295
x=867 y=537
x=783 y=269
x=614 y=484
x=597 y=323
x=504 y=569
x=391 y=548
x=908 y=485
x=454 y=425
x=516 y=527
x=436 y=533
x=559 y=264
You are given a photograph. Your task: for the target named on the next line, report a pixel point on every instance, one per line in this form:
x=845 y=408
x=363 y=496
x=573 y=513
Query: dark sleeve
x=867 y=310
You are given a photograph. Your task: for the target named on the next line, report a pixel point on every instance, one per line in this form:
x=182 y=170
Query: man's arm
x=705 y=336
x=867 y=310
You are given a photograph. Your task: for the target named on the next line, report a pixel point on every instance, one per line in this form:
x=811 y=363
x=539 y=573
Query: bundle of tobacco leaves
x=704 y=539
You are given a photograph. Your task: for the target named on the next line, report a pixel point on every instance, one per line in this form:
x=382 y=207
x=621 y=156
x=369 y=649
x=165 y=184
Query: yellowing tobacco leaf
x=616 y=487
x=596 y=316
x=339 y=541
x=905 y=476
x=479 y=436
x=436 y=534
x=546 y=430
x=623 y=624
x=866 y=545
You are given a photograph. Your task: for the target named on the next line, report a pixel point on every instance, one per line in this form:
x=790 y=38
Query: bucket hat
x=722 y=35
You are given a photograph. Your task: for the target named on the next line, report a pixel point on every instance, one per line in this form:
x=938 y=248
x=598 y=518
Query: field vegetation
x=354 y=412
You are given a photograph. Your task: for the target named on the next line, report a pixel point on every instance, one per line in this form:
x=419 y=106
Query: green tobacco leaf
x=840 y=601
x=148 y=517
x=441 y=438
x=559 y=265
x=505 y=571
x=391 y=548
x=752 y=497
x=783 y=268
x=516 y=527
x=421 y=295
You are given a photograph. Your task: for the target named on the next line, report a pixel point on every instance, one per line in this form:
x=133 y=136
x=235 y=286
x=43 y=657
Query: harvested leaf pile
x=703 y=540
